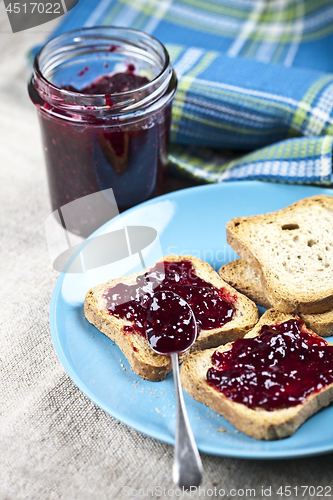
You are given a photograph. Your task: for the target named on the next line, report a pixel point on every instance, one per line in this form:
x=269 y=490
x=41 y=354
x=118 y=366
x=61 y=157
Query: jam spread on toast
x=212 y=307
x=279 y=368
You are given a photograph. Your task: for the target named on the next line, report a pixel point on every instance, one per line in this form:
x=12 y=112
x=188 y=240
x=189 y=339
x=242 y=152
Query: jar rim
x=123 y=102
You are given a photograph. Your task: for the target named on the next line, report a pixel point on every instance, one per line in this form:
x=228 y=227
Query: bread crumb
x=222 y=429
x=158 y=411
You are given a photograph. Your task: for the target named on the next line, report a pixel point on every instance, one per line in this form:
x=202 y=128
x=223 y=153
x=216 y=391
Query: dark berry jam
x=170 y=325
x=211 y=306
x=90 y=154
x=113 y=84
x=278 y=369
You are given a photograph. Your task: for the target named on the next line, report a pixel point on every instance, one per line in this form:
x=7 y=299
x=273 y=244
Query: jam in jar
x=104 y=99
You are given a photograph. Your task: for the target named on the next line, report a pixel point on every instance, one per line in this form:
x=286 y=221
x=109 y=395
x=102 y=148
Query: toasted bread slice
x=244 y=278
x=292 y=249
x=143 y=360
x=240 y=275
x=255 y=422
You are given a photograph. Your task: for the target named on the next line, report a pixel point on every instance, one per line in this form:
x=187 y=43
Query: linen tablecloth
x=55 y=444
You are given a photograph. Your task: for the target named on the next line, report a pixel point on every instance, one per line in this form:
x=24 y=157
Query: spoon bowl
x=170 y=326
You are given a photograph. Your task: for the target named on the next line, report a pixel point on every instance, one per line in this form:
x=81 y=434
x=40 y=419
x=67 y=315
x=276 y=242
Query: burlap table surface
x=54 y=442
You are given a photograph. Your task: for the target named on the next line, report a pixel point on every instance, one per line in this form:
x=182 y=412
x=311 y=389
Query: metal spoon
x=171 y=329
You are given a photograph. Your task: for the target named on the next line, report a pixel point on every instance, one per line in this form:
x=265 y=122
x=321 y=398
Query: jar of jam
x=104 y=99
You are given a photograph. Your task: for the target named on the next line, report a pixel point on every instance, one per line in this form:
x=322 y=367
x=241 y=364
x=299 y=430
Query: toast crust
x=143 y=360
x=241 y=276
x=292 y=251
x=256 y=423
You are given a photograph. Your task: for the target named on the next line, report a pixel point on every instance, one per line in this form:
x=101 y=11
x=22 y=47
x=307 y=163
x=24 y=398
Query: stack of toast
x=287 y=260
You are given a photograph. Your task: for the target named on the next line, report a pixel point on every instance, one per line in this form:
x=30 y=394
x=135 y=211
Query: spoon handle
x=187 y=467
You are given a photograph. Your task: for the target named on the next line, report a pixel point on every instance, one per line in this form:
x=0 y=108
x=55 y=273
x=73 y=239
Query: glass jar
x=93 y=142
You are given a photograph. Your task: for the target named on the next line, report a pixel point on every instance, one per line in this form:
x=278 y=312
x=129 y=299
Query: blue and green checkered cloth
x=255 y=94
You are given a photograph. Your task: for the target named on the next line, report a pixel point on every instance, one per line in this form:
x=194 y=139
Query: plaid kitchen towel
x=255 y=94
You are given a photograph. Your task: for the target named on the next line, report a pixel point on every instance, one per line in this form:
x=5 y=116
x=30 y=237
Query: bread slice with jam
x=119 y=307
x=292 y=250
x=267 y=383
x=244 y=278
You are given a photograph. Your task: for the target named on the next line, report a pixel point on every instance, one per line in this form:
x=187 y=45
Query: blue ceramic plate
x=193 y=222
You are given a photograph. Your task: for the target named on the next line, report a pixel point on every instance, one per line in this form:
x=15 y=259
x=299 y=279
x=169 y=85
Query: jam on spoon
x=171 y=329
x=170 y=324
